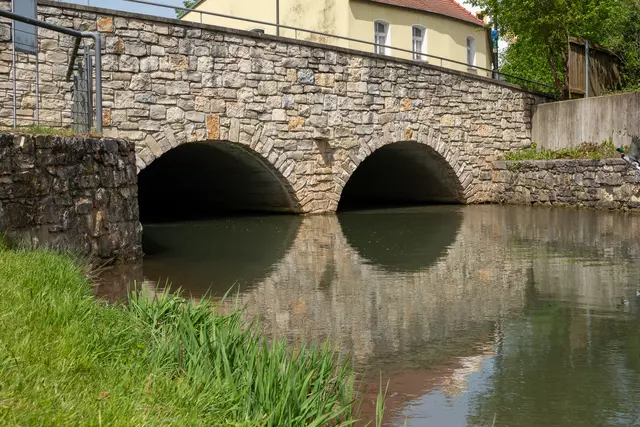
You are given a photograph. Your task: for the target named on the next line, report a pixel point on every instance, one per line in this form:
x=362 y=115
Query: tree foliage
x=542 y=29
x=624 y=39
x=525 y=59
x=188 y=4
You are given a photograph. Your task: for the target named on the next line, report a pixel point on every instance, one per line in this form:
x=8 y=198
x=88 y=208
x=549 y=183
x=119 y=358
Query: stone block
x=267 y=88
x=140 y=82
x=149 y=64
x=296 y=123
x=177 y=88
x=279 y=115
x=105 y=24
x=157 y=112
x=135 y=49
x=175 y=115
x=213 y=126
x=306 y=77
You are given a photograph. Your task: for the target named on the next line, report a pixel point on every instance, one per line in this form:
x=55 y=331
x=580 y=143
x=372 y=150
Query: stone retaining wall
x=68 y=193
x=602 y=184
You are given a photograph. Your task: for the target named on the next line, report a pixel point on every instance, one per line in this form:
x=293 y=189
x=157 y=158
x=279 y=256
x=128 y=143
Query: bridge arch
x=404 y=172
x=206 y=178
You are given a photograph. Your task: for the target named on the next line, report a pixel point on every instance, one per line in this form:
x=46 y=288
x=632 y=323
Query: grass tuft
x=586 y=150
x=68 y=359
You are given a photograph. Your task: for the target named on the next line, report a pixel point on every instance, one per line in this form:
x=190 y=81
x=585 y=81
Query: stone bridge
x=222 y=117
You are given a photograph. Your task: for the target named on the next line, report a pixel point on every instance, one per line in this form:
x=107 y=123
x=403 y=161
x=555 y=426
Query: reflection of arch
x=414 y=240
x=402 y=173
x=200 y=179
x=215 y=255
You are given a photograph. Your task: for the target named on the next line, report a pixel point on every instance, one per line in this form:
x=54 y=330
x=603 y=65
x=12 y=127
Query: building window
x=257 y=30
x=381 y=37
x=471 y=51
x=419 y=42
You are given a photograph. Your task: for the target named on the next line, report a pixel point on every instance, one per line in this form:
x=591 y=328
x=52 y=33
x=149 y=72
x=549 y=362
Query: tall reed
x=68 y=359
x=271 y=382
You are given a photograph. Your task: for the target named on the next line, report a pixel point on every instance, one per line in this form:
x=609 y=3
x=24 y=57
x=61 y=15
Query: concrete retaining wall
x=601 y=184
x=70 y=194
x=569 y=123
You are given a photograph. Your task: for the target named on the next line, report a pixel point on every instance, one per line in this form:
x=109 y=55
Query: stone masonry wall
x=294 y=103
x=602 y=184
x=67 y=193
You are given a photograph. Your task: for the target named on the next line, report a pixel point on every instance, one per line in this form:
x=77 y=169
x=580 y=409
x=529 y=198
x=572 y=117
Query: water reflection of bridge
x=386 y=288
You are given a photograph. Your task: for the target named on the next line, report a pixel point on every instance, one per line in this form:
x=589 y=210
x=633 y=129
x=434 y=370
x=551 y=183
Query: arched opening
x=207 y=179
x=401 y=174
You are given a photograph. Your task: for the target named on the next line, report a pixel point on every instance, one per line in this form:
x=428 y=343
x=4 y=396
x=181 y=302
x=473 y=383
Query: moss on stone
x=586 y=150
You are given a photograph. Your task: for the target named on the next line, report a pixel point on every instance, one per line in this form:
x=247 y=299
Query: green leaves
x=188 y=4
x=542 y=29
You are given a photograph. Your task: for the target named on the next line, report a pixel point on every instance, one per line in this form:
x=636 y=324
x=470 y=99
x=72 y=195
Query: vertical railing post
x=13 y=65
x=586 y=57
x=37 y=80
x=277 y=17
x=98 y=65
x=89 y=82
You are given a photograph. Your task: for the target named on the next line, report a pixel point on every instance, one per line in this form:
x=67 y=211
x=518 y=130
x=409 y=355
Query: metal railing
x=279 y=26
x=59 y=93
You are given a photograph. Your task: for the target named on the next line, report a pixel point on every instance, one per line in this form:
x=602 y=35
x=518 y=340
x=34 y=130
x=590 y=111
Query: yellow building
x=425 y=29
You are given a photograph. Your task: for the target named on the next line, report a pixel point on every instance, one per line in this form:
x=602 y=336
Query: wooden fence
x=604 y=69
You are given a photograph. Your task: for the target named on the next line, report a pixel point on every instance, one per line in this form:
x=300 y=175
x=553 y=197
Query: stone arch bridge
x=223 y=117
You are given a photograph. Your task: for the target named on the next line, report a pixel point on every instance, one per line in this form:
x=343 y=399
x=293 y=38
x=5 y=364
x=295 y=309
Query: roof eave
x=468 y=21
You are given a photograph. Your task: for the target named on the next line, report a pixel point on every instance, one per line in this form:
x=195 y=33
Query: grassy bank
x=594 y=151
x=68 y=359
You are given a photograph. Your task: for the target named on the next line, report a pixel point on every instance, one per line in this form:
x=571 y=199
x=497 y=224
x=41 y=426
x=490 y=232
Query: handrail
x=77 y=35
x=289 y=27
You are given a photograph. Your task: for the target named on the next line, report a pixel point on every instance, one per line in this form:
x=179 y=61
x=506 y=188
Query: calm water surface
x=476 y=315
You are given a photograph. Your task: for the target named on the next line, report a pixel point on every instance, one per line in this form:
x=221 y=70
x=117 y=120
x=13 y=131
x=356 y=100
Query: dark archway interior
x=202 y=180
x=401 y=174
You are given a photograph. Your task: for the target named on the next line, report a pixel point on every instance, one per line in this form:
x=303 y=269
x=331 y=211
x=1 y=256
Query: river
x=475 y=315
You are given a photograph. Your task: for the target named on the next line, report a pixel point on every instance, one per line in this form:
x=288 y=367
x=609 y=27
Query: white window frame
x=257 y=30
x=379 y=48
x=471 y=51
x=422 y=40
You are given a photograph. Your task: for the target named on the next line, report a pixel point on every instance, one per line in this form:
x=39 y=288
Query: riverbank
x=68 y=359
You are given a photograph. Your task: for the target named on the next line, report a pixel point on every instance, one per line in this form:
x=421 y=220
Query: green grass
x=68 y=359
x=586 y=150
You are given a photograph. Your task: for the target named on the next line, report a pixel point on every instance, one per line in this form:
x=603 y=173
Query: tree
x=543 y=28
x=188 y=4
x=624 y=39
x=524 y=58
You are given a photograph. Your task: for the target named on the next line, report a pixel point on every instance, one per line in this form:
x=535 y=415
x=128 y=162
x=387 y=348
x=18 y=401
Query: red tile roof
x=448 y=8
